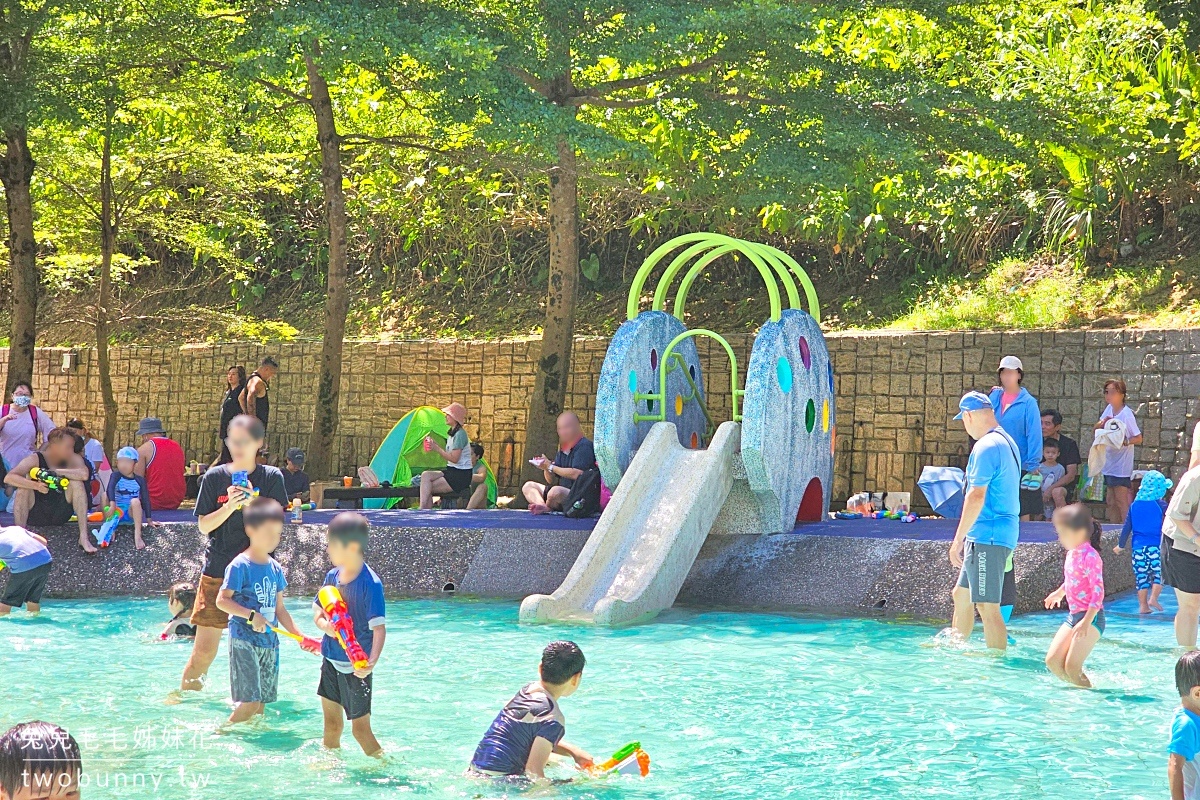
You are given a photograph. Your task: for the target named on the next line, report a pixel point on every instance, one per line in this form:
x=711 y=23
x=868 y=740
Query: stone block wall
x=896 y=392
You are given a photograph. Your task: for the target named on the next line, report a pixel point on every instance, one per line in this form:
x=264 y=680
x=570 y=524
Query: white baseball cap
x=1011 y=362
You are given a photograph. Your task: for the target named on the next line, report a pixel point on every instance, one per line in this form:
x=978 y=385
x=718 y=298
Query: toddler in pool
x=1144 y=523
x=1182 y=774
x=1083 y=589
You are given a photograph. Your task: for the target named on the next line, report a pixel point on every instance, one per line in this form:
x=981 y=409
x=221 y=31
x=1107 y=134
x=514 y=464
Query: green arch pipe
x=760 y=260
x=639 y=280
x=664 y=283
x=810 y=291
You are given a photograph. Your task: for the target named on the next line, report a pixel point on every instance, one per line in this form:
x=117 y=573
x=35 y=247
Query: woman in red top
x=161 y=462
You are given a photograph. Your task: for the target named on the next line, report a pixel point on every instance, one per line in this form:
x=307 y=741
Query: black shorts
x=1180 y=569
x=1031 y=503
x=26 y=587
x=346 y=689
x=458 y=479
x=51 y=508
x=1112 y=481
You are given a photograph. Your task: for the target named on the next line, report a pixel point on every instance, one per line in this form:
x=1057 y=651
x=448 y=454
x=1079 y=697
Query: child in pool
x=1182 y=774
x=252 y=596
x=180 y=600
x=129 y=493
x=346 y=690
x=531 y=727
x=39 y=761
x=1144 y=522
x=29 y=564
x=1083 y=588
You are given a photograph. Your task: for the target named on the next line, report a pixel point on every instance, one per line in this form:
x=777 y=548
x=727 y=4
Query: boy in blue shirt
x=345 y=689
x=129 y=493
x=28 y=561
x=252 y=596
x=531 y=727
x=1144 y=524
x=1182 y=770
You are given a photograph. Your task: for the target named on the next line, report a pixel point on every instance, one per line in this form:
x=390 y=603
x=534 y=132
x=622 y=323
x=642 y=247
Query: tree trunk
x=16 y=173
x=337 y=298
x=108 y=241
x=558 y=330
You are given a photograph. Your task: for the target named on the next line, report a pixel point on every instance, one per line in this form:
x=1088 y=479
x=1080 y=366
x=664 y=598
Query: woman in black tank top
x=235 y=384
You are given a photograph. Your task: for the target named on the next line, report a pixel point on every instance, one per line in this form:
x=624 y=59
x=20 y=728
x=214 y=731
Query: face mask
x=23 y=400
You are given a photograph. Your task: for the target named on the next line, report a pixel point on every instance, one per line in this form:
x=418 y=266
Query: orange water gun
x=331 y=602
x=629 y=760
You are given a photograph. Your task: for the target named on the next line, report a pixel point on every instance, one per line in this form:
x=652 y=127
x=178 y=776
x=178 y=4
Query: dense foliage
x=911 y=141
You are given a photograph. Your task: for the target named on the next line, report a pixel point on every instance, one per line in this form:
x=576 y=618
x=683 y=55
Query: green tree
x=22 y=24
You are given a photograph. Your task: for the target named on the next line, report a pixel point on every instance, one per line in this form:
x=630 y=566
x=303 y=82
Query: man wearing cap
x=295 y=481
x=1017 y=412
x=575 y=456
x=161 y=462
x=456 y=477
x=988 y=528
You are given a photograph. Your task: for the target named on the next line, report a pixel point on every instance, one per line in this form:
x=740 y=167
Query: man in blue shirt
x=988 y=528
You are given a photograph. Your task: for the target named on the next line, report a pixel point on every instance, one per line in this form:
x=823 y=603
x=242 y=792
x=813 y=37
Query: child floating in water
x=29 y=564
x=1144 y=522
x=1083 y=588
x=129 y=493
x=180 y=600
x=252 y=596
x=345 y=689
x=1182 y=773
x=531 y=727
x=39 y=760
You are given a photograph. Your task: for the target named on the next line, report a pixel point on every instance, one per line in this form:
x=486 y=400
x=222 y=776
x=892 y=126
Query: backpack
x=584 y=498
x=32 y=414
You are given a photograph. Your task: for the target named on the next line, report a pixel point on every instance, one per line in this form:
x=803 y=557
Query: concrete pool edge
x=818 y=572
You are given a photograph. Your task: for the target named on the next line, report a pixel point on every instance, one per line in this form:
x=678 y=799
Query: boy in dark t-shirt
x=531 y=727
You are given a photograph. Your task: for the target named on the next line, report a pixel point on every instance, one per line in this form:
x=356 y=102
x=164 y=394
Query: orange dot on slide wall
x=695 y=441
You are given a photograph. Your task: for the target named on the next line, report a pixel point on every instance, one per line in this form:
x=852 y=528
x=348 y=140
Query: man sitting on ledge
x=575 y=456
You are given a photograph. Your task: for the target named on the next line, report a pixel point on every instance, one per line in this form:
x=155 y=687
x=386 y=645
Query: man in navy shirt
x=575 y=456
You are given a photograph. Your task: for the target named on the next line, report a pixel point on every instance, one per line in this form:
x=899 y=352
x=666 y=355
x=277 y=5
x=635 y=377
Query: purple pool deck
x=935 y=530
x=840 y=566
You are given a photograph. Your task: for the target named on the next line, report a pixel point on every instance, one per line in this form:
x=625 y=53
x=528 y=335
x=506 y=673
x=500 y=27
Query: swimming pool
x=727 y=705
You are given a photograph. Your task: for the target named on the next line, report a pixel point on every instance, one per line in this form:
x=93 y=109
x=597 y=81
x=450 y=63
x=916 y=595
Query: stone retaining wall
x=896 y=391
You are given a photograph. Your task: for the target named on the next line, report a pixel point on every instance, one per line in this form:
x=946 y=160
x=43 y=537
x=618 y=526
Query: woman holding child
x=1118 y=461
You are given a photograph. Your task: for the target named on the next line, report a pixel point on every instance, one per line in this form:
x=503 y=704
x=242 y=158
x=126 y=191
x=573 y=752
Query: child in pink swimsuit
x=1083 y=589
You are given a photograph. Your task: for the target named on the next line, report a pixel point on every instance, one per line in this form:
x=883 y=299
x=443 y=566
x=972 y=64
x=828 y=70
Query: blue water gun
x=104 y=536
x=242 y=478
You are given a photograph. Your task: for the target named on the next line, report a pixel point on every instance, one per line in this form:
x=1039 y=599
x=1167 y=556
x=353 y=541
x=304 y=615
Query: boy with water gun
x=252 y=596
x=349 y=609
x=531 y=727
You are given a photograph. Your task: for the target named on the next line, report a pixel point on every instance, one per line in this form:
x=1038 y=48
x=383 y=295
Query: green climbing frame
x=773 y=265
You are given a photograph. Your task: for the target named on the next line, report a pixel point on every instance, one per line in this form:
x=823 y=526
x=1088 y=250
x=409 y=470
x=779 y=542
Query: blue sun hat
x=128 y=452
x=1155 y=486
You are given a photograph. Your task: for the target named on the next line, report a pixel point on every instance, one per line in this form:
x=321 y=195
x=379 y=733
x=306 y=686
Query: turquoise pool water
x=727 y=705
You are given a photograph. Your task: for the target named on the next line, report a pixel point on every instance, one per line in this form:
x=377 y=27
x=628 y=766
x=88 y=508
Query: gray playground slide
x=641 y=550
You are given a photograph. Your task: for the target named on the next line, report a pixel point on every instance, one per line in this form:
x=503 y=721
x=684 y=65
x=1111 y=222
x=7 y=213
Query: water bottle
x=297 y=511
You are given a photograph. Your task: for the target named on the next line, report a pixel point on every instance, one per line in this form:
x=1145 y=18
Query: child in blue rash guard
x=531 y=727
x=1182 y=774
x=252 y=596
x=344 y=689
x=1144 y=524
x=128 y=492
x=29 y=564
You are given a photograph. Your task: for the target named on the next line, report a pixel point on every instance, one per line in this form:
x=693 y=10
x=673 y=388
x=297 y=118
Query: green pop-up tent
x=402 y=453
